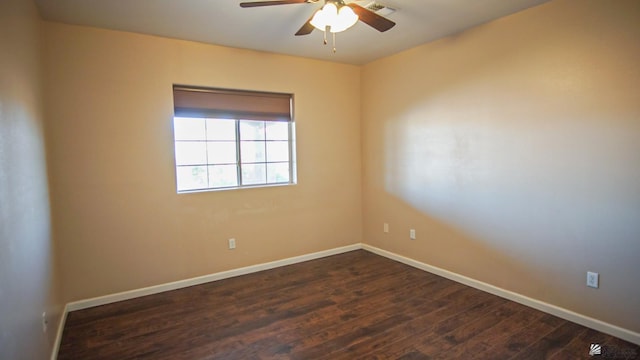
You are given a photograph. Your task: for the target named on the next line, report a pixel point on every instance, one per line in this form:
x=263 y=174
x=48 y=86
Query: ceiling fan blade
x=372 y=19
x=270 y=3
x=307 y=28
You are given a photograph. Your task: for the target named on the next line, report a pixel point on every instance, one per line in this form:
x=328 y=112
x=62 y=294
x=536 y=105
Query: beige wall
x=512 y=148
x=119 y=221
x=27 y=278
x=514 y=151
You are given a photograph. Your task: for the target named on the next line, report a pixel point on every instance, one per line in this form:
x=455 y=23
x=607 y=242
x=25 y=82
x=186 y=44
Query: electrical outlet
x=412 y=234
x=45 y=322
x=232 y=244
x=386 y=227
x=592 y=279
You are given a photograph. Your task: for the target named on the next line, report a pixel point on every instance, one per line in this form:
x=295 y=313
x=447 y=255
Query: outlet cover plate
x=592 y=279
x=45 y=322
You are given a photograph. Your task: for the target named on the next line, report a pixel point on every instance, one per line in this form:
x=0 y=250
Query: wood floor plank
x=580 y=345
x=470 y=334
x=423 y=321
x=355 y=305
x=406 y=338
x=551 y=343
x=351 y=309
x=483 y=345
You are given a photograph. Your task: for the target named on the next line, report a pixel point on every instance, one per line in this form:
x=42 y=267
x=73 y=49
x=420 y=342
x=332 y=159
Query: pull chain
x=334 y=43
x=326 y=30
x=325 y=42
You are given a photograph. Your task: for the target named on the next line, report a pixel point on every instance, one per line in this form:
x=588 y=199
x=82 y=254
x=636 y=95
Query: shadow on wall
x=520 y=169
x=489 y=212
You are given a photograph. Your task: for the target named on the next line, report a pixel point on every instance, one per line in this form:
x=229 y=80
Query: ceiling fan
x=334 y=16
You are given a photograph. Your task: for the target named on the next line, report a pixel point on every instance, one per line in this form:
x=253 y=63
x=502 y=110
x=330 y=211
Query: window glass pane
x=277 y=130
x=218 y=129
x=209 y=153
x=254 y=174
x=278 y=173
x=223 y=176
x=251 y=130
x=277 y=151
x=188 y=128
x=191 y=153
x=252 y=151
x=221 y=152
x=191 y=177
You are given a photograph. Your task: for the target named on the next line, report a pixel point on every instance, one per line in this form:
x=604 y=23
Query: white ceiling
x=272 y=28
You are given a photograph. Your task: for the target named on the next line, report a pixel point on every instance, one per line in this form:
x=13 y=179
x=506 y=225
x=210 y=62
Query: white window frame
x=239 y=163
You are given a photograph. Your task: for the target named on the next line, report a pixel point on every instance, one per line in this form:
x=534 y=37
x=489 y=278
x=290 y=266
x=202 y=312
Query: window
x=232 y=139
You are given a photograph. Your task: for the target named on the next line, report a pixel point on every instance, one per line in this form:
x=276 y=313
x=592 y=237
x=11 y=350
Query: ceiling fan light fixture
x=346 y=19
x=337 y=19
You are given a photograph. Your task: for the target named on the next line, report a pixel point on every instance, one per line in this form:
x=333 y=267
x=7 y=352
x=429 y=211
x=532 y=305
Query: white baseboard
x=563 y=313
x=131 y=294
x=126 y=295
x=602 y=326
x=58 y=339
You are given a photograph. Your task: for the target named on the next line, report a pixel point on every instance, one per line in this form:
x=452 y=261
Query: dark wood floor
x=349 y=306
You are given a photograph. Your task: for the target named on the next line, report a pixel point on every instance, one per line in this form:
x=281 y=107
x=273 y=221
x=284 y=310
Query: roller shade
x=231 y=104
